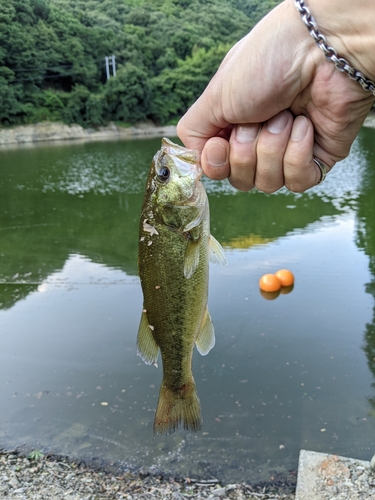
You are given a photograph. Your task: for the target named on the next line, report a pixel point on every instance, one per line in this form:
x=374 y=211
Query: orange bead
x=285 y=277
x=269 y=283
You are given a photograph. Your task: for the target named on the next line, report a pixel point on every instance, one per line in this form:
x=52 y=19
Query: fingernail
x=277 y=123
x=299 y=129
x=246 y=133
x=216 y=155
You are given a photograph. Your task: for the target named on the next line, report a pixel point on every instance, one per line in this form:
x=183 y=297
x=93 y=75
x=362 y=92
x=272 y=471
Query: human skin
x=275 y=101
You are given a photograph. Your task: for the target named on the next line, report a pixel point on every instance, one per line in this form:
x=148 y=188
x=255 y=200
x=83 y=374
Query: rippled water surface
x=285 y=374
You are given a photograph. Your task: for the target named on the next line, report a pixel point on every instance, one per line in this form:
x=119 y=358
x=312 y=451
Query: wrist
x=349 y=28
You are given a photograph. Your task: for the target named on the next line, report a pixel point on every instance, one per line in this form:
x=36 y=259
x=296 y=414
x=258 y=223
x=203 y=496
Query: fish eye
x=163 y=174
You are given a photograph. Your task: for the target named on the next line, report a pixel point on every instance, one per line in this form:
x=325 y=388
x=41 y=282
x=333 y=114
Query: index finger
x=200 y=124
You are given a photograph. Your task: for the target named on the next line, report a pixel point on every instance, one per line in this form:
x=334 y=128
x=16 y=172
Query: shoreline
x=57 y=132
x=35 y=476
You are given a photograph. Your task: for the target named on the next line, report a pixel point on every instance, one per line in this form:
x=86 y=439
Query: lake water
x=285 y=374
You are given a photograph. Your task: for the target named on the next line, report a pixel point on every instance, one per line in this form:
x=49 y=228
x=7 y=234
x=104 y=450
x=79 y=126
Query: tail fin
x=176 y=408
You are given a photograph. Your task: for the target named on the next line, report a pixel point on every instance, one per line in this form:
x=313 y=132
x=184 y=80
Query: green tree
x=174 y=90
x=83 y=107
x=10 y=105
x=128 y=95
x=52 y=56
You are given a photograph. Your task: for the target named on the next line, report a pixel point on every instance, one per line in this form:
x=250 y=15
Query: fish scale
x=174 y=253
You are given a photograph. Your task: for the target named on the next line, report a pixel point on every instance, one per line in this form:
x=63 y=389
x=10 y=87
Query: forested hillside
x=52 y=56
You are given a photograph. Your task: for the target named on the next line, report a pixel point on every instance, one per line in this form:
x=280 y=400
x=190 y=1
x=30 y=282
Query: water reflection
x=281 y=371
x=57 y=201
x=365 y=239
x=98 y=173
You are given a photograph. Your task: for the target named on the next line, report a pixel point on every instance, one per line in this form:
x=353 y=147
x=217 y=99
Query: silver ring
x=323 y=169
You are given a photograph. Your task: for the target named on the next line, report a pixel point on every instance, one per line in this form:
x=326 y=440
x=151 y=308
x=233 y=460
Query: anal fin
x=146 y=344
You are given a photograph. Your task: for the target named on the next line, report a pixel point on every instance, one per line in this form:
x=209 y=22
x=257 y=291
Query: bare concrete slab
x=329 y=477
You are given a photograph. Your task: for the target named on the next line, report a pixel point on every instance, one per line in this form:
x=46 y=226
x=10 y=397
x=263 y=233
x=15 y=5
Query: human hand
x=274 y=103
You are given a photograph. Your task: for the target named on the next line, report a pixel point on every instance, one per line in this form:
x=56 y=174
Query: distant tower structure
x=113 y=65
x=110 y=61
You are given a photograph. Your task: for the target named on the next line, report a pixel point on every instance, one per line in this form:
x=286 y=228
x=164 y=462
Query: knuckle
x=216 y=173
x=268 y=187
x=293 y=161
x=299 y=175
x=241 y=163
x=269 y=180
x=266 y=149
x=241 y=184
x=242 y=157
x=297 y=187
x=299 y=180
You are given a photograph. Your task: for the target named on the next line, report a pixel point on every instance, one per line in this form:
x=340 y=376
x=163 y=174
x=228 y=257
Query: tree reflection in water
x=366 y=238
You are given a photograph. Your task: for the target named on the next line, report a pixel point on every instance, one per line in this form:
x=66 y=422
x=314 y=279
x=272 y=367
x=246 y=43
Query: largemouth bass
x=175 y=247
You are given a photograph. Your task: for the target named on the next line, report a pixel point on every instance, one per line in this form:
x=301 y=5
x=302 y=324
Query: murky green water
x=296 y=372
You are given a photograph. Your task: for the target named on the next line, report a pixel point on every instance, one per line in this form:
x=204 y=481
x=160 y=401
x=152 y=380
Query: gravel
x=39 y=477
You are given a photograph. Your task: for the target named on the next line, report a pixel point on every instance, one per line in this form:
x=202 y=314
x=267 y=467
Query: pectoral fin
x=146 y=344
x=191 y=258
x=206 y=337
x=216 y=252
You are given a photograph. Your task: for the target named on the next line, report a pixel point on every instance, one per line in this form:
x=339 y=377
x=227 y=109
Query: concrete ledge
x=55 y=131
x=326 y=477
x=48 y=131
x=370 y=120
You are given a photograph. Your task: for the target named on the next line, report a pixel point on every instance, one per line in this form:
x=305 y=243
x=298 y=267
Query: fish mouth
x=186 y=168
x=186 y=161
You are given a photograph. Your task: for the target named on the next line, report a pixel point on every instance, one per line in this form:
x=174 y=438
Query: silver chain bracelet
x=330 y=53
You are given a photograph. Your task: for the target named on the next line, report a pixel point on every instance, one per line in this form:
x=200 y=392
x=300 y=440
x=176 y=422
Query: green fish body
x=175 y=247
